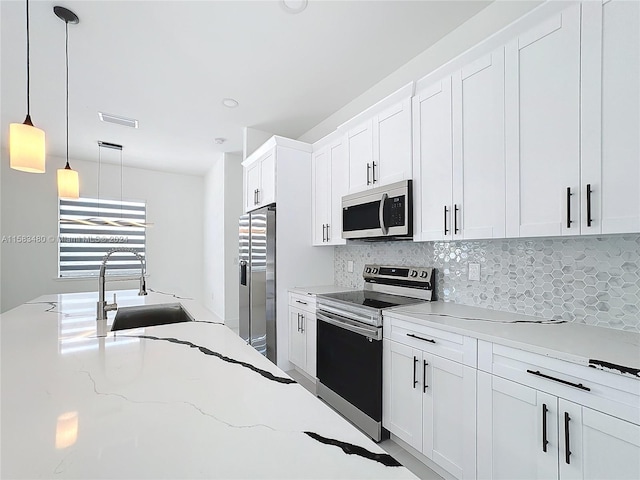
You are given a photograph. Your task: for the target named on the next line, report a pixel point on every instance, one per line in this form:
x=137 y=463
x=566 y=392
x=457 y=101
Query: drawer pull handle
x=300 y=301
x=548 y=377
x=420 y=338
x=545 y=442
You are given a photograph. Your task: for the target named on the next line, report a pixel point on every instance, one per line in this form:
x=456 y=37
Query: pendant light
x=26 y=142
x=68 y=181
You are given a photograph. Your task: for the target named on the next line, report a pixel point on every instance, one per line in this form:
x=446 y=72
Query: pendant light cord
x=28 y=73
x=66 y=54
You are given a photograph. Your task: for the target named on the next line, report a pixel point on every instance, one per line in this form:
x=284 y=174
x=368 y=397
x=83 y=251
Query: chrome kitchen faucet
x=103 y=307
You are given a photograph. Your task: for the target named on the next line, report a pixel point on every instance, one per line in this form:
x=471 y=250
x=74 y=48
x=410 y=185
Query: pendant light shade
x=68 y=183
x=26 y=142
x=68 y=179
x=26 y=147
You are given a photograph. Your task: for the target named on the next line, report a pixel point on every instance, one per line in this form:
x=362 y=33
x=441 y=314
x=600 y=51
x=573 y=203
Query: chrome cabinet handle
x=569 y=194
x=258 y=196
x=328 y=238
x=368 y=169
x=415 y=362
x=324 y=226
x=298 y=322
x=545 y=442
x=301 y=323
x=588 y=204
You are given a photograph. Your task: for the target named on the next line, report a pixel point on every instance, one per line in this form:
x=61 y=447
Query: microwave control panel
x=395 y=211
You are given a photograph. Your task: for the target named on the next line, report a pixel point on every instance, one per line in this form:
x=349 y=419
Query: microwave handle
x=383 y=200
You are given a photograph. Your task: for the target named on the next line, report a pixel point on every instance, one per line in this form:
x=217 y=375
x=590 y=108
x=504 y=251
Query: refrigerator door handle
x=243 y=272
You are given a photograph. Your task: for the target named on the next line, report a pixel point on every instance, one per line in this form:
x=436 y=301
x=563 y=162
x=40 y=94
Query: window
x=89 y=228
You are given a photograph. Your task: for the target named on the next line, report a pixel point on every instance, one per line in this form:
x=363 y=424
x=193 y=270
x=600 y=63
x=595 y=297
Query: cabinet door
x=339 y=187
x=512 y=423
x=360 y=153
x=597 y=445
x=433 y=161
x=542 y=100
x=449 y=415
x=392 y=145
x=402 y=400
x=267 y=193
x=611 y=117
x=309 y=329
x=252 y=175
x=478 y=149
x=321 y=195
x=297 y=340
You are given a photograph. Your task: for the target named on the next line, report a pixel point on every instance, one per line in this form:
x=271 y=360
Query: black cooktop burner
x=370 y=299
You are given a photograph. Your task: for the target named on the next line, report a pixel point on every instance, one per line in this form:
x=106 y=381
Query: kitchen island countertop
x=187 y=400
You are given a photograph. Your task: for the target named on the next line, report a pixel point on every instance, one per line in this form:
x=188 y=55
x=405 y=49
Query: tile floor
x=392 y=448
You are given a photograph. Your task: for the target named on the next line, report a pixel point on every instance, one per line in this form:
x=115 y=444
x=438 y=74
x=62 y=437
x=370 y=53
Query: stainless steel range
x=349 y=353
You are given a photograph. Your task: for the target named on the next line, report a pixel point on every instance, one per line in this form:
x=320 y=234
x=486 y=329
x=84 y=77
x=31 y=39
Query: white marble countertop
x=320 y=289
x=604 y=348
x=187 y=400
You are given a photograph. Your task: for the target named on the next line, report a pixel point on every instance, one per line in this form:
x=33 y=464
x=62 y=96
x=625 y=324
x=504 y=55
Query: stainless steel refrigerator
x=257 y=280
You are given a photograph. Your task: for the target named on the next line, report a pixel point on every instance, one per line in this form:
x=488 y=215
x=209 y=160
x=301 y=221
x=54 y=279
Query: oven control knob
x=413 y=273
x=375 y=270
x=423 y=275
x=368 y=270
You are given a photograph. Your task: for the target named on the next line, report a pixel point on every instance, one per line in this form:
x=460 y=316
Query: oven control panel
x=400 y=274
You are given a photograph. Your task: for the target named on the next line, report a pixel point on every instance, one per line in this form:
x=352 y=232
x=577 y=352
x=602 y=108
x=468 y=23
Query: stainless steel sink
x=150 y=315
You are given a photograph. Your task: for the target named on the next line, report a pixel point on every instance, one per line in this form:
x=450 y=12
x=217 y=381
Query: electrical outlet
x=350 y=266
x=474 y=272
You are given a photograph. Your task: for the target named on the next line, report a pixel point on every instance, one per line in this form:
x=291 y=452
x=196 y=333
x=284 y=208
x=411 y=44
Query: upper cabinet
x=378 y=142
x=329 y=184
x=542 y=106
x=610 y=172
x=260 y=169
x=459 y=161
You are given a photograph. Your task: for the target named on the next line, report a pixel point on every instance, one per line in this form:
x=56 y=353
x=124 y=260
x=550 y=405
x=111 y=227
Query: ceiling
x=169 y=64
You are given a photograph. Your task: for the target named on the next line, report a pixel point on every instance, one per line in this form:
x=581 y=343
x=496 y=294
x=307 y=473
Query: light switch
x=350 y=266
x=474 y=272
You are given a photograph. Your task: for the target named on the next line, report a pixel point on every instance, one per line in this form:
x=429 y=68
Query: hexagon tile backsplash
x=595 y=281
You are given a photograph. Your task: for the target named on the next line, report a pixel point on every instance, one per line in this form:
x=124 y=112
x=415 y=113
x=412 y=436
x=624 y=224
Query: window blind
x=89 y=228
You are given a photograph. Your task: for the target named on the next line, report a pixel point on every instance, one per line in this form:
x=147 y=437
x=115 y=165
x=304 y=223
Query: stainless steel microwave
x=379 y=213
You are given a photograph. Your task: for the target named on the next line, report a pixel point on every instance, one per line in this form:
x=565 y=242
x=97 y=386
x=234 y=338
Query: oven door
x=349 y=362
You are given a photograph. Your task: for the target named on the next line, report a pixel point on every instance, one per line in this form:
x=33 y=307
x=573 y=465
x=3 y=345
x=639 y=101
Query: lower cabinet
x=528 y=434
x=430 y=403
x=302 y=340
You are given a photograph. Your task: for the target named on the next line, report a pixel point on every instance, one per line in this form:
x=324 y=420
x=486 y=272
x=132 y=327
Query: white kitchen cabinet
x=610 y=117
x=302 y=333
x=378 y=142
x=527 y=433
x=542 y=108
x=260 y=180
x=329 y=184
x=459 y=159
x=429 y=401
x=433 y=161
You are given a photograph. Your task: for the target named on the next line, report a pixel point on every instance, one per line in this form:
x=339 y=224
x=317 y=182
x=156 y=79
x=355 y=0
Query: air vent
x=127 y=122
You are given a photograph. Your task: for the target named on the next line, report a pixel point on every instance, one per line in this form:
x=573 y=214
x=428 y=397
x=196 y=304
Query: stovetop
x=375 y=300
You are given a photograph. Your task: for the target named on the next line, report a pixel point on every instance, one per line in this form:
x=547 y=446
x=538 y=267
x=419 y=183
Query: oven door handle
x=373 y=333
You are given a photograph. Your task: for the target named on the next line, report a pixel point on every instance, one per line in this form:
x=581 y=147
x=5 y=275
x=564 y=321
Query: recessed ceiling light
x=230 y=102
x=219 y=140
x=294 y=6
x=127 y=122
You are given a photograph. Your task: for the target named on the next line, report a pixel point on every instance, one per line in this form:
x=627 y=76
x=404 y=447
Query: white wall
x=488 y=21
x=222 y=207
x=29 y=206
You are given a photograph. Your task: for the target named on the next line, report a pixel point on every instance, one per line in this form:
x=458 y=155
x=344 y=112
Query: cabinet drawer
x=604 y=391
x=444 y=344
x=303 y=302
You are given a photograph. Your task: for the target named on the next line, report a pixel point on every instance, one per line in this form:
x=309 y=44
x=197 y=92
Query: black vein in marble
x=207 y=351
x=601 y=364
x=51 y=309
x=351 y=449
x=169 y=294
